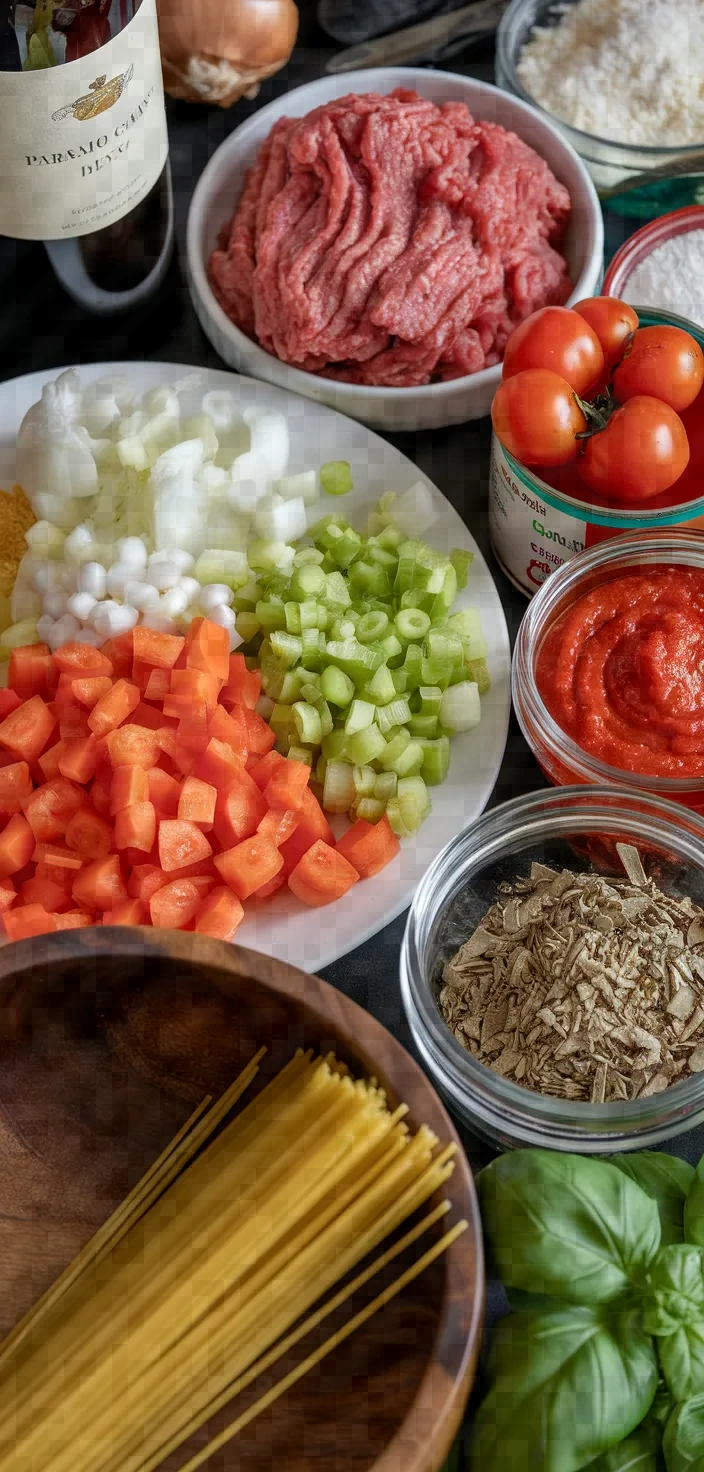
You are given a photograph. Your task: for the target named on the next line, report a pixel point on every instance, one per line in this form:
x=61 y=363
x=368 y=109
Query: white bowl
x=436 y=404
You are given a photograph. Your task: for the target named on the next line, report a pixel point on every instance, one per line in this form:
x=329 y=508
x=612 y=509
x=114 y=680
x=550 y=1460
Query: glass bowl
x=609 y=162
x=559 y=828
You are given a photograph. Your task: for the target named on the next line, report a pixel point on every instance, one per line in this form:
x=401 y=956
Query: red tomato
x=612 y=321
x=536 y=417
x=642 y=452
x=664 y=362
x=559 y=339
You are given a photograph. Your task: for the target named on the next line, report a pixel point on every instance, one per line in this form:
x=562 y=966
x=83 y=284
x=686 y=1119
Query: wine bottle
x=84 y=163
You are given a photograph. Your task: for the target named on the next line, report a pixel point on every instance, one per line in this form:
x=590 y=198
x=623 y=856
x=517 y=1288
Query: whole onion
x=219 y=50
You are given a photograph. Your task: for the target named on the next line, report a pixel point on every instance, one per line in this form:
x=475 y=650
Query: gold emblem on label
x=100 y=96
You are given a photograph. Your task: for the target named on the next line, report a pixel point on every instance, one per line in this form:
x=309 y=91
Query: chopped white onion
x=215 y=595
x=92 y=578
x=142 y=596
x=64 y=630
x=55 y=603
x=79 y=544
x=114 y=619
x=81 y=605
x=45 y=625
x=191 y=587
x=132 y=553
x=160 y=622
x=174 y=602
x=163 y=575
x=277 y=520
x=119 y=575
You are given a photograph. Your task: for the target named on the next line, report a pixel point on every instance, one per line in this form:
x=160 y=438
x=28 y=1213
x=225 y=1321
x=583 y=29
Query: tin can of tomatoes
x=535 y=526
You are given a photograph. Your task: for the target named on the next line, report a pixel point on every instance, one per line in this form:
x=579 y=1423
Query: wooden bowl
x=107 y=1037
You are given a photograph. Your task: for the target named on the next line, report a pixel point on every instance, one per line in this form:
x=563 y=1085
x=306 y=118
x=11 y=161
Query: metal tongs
x=443 y=35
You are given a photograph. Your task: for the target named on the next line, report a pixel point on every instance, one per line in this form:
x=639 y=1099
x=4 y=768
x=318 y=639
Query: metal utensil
x=439 y=36
x=675 y=168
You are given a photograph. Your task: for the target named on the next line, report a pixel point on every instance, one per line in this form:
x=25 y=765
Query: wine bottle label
x=82 y=142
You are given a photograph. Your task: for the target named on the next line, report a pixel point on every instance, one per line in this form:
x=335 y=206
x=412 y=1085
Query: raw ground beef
x=384 y=240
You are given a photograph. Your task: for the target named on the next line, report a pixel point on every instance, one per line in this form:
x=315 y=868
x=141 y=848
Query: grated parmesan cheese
x=630 y=71
x=672 y=277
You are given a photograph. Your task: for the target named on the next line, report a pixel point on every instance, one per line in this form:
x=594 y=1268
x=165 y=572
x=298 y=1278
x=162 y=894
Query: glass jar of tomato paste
x=608 y=668
x=537 y=525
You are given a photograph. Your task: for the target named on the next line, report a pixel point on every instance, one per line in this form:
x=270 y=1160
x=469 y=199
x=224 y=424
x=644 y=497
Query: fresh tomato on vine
x=642 y=452
x=537 y=418
x=613 y=321
x=558 y=339
x=664 y=362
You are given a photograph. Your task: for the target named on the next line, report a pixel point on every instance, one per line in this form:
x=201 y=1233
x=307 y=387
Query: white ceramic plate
x=282 y=927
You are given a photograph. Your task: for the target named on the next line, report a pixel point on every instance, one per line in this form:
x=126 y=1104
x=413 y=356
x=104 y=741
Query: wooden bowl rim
x=411 y=1449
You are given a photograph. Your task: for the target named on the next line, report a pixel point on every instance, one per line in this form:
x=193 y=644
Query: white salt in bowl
x=680 y=293
x=434 y=405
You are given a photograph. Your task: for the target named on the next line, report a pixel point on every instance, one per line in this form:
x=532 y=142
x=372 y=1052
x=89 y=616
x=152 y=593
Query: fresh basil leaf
x=566 y=1225
x=667 y=1179
x=661 y=1408
x=570 y=1384
x=694 y=1208
x=682 y=1359
x=683 y=1439
x=638 y=1453
x=674 y=1312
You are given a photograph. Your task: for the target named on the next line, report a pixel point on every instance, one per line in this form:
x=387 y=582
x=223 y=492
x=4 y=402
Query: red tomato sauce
x=622 y=672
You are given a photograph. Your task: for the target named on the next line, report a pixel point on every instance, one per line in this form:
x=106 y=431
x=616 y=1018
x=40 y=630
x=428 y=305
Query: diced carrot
x=8 y=895
x=9 y=701
x=50 y=808
x=264 y=768
x=25 y=731
x=232 y=729
x=278 y=824
x=181 y=843
x=192 y=730
x=71 y=716
x=238 y=811
x=15 y=787
x=100 y=886
x=178 y=755
x=312 y=825
x=89 y=835
x=135 y=827
x=82 y=660
x=157 y=686
x=209 y=650
x=249 y=865
x=164 y=791
x=129 y=784
x=322 y=875
x=145 y=880
x=31 y=671
x=89 y=691
x=140 y=674
x=287 y=785
x=243 y=686
x=159 y=650
x=128 y=912
x=46 y=892
x=133 y=746
x=265 y=891
x=203 y=869
x=114 y=707
x=100 y=791
x=148 y=716
x=369 y=847
x=260 y=737
x=56 y=856
x=191 y=689
x=79 y=759
x=175 y=905
x=119 y=652
x=218 y=765
x=197 y=802
x=220 y=914
x=28 y=921
x=74 y=920
x=16 y=845
x=49 y=761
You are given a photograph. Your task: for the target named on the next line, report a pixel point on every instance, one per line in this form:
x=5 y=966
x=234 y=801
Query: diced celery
x=290 y=688
x=436 y=761
x=477 y=670
x=334 y=746
x=392 y=647
x=374 y=552
x=312 y=648
x=381 y=688
x=410 y=762
x=359 y=716
x=364 y=781
x=460 y=708
x=360 y=661
x=395 y=747
x=306 y=555
x=343 y=628
x=400 y=679
x=223 y=567
x=370 y=808
x=272 y=680
x=287 y=647
x=321 y=768
x=396 y=713
x=413 y=801
x=385 y=786
x=369 y=578
x=324 y=618
x=299 y=754
x=248 y=596
x=247 y=625
x=308 y=723
x=344 y=548
x=336 y=590
x=338 y=789
x=372 y=626
x=267 y=555
x=308 y=581
x=336 y=477
x=314 y=696
x=467 y=624
x=430 y=698
x=404 y=573
x=446 y=595
x=423 y=727
x=282 y=722
x=390 y=537
x=444 y=645
x=293 y=618
x=461 y=561
x=411 y=624
x=413 y=665
x=271 y=616
x=436 y=672
x=336 y=686
x=365 y=746
x=396 y=820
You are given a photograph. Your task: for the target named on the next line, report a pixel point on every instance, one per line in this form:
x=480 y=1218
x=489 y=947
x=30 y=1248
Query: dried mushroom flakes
x=581 y=987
